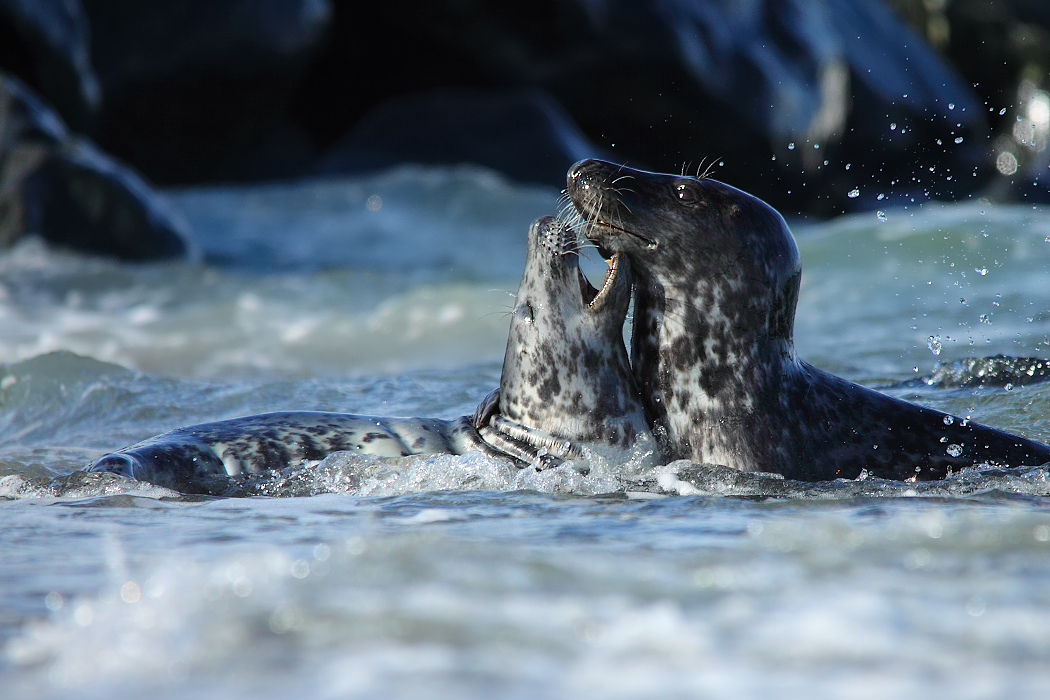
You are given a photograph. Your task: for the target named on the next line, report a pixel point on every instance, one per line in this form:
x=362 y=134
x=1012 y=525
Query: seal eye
x=688 y=193
x=524 y=309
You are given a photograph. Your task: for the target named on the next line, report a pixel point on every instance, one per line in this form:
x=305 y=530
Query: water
x=456 y=576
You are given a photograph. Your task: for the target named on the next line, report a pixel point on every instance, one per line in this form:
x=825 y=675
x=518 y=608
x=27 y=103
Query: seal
x=566 y=372
x=717 y=276
x=566 y=392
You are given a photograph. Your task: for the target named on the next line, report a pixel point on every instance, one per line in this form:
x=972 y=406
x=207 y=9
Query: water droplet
x=893 y=126
x=962 y=300
x=958 y=139
x=944 y=439
x=854 y=193
x=984 y=318
x=881 y=197
x=948 y=420
x=1009 y=387
x=951 y=106
x=1002 y=111
x=954 y=450
x=934 y=343
x=880 y=215
x=791 y=146
x=982 y=271
x=1006 y=163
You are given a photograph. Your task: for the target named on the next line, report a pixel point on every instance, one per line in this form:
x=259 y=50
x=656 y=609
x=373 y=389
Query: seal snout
x=115 y=463
x=585 y=178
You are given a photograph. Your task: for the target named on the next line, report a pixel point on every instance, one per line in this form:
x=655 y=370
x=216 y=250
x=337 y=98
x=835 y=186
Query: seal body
x=717 y=276
x=566 y=391
x=191 y=458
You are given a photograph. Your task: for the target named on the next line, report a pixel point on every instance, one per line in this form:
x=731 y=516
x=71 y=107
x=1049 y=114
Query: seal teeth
x=607 y=283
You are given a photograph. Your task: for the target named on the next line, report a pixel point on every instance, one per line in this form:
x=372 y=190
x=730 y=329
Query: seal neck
x=710 y=354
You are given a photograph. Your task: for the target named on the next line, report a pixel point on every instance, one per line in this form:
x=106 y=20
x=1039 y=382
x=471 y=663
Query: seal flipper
x=521 y=442
x=488 y=408
x=465 y=435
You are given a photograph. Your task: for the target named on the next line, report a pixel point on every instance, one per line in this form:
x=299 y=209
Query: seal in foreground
x=717 y=276
x=566 y=392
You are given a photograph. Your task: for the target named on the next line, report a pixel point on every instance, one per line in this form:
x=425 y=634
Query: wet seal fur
x=717 y=277
x=566 y=389
x=566 y=371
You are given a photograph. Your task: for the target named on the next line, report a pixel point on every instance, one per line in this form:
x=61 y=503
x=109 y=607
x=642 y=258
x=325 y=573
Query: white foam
x=816 y=602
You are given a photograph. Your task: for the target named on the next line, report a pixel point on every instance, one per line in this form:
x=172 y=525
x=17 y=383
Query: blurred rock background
x=818 y=106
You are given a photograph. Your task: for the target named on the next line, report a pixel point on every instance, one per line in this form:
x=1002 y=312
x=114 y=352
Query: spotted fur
x=566 y=390
x=717 y=276
x=566 y=371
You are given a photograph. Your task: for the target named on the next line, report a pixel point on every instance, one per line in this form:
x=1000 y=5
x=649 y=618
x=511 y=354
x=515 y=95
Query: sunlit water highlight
x=458 y=576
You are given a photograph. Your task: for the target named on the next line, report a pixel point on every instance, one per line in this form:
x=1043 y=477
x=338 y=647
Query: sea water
x=462 y=577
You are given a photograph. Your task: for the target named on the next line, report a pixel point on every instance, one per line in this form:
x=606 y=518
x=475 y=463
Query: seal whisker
x=709 y=170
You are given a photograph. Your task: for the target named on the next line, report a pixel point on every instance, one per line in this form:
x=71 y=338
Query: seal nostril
x=582 y=175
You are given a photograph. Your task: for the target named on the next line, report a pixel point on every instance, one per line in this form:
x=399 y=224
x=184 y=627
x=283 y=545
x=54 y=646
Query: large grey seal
x=566 y=391
x=717 y=276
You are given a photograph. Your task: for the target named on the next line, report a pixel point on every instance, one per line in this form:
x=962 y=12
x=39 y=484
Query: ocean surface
x=461 y=577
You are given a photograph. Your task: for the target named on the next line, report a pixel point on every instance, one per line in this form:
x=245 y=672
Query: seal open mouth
x=595 y=226
x=592 y=296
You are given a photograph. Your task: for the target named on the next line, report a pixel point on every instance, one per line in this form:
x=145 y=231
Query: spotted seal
x=566 y=372
x=566 y=392
x=717 y=277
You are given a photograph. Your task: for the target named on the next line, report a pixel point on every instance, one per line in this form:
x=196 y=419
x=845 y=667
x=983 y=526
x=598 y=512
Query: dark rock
x=70 y=193
x=524 y=134
x=1003 y=49
x=818 y=106
x=994 y=371
x=45 y=42
x=199 y=90
x=770 y=90
x=141 y=42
